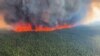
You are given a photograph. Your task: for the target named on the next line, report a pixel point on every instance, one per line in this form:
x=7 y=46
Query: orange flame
x=24 y=27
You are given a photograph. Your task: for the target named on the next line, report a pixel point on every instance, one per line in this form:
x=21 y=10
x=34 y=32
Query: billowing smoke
x=42 y=15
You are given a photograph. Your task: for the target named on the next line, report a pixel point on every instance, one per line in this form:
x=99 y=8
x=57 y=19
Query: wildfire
x=24 y=27
x=92 y=16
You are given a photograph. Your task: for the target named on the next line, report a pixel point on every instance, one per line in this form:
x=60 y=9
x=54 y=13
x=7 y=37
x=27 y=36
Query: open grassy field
x=67 y=42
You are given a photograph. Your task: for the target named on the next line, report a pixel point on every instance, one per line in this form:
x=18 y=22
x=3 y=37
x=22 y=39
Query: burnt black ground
x=79 y=41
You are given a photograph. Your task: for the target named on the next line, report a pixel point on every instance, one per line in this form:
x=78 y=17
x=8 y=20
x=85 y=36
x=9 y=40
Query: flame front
x=24 y=27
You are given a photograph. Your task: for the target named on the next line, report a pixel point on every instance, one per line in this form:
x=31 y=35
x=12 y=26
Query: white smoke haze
x=93 y=16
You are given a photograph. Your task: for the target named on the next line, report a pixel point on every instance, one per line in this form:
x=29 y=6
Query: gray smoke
x=44 y=12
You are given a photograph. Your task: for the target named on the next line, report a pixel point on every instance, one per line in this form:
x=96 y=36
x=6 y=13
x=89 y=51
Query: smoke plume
x=41 y=15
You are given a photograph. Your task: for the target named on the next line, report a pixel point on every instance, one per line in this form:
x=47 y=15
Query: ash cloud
x=44 y=12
